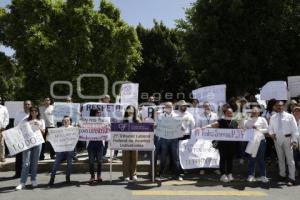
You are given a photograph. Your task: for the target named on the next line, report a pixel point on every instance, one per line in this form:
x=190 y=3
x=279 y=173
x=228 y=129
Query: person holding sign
x=227 y=149
x=67 y=121
x=130 y=157
x=21 y=117
x=31 y=156
x=284 y=131
x=95 y=153
x=169 y=147
x=4 y=120
x=257 y=148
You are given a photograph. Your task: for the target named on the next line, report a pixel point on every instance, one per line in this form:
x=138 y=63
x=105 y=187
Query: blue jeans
x=30 y=161
x=59 y=157
x=169 y=148
x=260 y=159
x=95 y=151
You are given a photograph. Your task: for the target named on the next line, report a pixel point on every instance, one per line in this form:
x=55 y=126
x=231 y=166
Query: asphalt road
x=191 y=188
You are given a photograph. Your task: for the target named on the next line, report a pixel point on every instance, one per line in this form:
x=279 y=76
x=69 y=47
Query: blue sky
x=141 y=11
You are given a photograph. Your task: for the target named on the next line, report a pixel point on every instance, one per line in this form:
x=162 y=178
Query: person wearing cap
x=4 y=120
x=284 y=131
x=188 y=121
x=169 y=147
x=296 y=113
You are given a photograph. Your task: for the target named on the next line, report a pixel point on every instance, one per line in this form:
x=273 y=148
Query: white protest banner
x=94 y=129
x=274 y=90
x=197 y=153
x=132 y=136
x=63 y=139
x=130 y=94
x=21 y=138
x=294 y=85
x=221 y=134
x=62 y=109
x=169 y=128
x=114 y=111
x=14 y=108
x=214 y=94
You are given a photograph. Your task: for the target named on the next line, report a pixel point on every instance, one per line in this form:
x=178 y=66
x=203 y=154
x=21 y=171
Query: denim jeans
x=169 y=148
x=30 y=161
x=260 y=159
x=95 y=151
x=59 y=157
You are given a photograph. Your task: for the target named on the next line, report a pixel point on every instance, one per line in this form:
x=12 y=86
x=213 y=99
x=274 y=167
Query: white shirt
x=206 y=119
x=261 y=128
x=47 y=115
x=37 y=124
x=188 y=121
x=4 y=117
x=20 y=117
x=289 y=126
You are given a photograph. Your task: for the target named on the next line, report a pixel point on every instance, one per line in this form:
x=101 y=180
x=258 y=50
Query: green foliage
x=243 y=43
x=165 y=68
x=60 y=40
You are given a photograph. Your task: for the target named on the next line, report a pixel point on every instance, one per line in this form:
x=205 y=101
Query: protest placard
x=62 y=109
x=215 y=94
x=132 y=136
x=94 y=129
x=114 y=111
x=21 y=138
x=63 y=139
x=198 y=153
x=274 y=90
x=130 y=94
x=14 y=108
x=294 y=86
x=221 y=134
x=169 y=128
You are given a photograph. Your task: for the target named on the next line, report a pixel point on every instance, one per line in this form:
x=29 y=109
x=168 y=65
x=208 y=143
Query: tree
x=60 y=40
x=242 y=43
x=165 y=68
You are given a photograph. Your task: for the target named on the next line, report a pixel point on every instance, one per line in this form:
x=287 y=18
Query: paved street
x=204 y=188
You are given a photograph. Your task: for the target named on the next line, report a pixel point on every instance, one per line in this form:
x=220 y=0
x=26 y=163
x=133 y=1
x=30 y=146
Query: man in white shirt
x=188 y=121
x=284 y=131
x=169 y=147
x=21 y=117
x=206 y=118
x=4 y=120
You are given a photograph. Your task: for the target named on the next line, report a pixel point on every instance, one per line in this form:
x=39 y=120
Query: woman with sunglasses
x=31 y=156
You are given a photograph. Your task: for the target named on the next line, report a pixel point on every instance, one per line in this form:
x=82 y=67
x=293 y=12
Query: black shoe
x=51 y=182
x=68 y=180
x=291 y=182
x=281 y=178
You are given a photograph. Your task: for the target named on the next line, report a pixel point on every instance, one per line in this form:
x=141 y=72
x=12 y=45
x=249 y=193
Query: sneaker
x=92 y=180
x=135 y=178
x=263 y=179
x=34 y=184
x=230 y=177
x=291 y=183
x=20 y=187
x=202 y=172
x=180 y=178
x=251 y=179
x=127 y=179
x=224 y=178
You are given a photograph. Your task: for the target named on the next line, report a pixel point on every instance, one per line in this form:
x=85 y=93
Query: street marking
x=198 y=193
